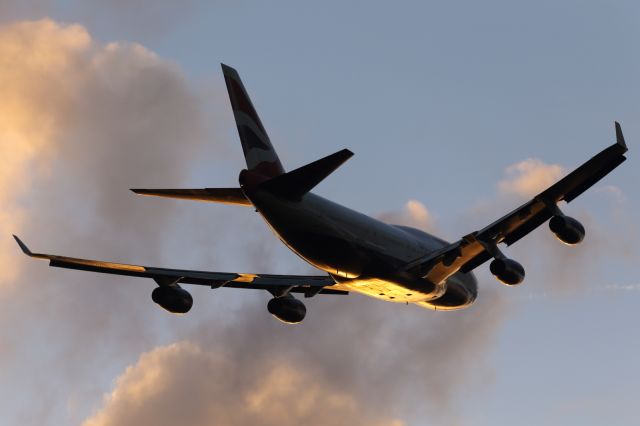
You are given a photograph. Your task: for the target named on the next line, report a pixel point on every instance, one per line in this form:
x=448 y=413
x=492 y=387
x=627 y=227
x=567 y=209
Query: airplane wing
x=477 y=247
x=308 y=284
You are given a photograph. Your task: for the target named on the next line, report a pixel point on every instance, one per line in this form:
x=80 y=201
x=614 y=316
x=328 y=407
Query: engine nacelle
x=287 y=309
x=508 y=271
x=567 y=229
x=174 y=299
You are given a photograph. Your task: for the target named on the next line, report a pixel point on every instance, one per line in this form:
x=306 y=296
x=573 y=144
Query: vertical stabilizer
x=258 y=151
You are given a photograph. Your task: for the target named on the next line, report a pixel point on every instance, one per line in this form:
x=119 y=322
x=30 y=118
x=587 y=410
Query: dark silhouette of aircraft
x=356 y=252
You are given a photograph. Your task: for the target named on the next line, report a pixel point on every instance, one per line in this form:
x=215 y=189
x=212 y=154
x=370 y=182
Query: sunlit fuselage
x=363 y=254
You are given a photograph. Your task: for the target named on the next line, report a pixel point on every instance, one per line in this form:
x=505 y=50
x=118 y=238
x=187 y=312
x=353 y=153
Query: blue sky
x=468 y=84
x=436 y=99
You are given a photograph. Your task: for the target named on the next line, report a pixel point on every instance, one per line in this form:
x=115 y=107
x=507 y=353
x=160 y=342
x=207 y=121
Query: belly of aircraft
x=391 y=291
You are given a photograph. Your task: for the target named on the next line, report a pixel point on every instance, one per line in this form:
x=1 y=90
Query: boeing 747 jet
x=355 y=252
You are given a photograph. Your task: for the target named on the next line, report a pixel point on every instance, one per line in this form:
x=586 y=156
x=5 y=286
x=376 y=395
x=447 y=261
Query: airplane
x=357 y=253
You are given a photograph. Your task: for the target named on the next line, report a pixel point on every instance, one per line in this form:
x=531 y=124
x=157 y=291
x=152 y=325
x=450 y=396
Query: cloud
x=183 y=384
x=413 y=213
x=355 y=361
x=29 y=114
x=529 y=177
x=80 y=123
x=83 y=118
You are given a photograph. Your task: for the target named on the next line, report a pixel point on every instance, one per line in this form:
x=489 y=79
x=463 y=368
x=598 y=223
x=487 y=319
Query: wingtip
x=344 y=153
x=620 y=137
x=23 y=246
x=226 y=69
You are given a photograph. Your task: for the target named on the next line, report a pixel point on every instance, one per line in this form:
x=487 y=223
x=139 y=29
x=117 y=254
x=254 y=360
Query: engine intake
x=567 y=229
x=287 y=309
x=508 y=271
x=174 y=299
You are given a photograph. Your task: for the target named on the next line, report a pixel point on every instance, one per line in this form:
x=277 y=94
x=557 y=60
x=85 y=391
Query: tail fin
x=258 y=151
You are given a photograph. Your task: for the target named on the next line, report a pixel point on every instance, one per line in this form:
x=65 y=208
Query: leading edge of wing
x=212 y=279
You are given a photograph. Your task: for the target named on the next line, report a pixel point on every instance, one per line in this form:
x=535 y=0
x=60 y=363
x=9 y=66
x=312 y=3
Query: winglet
x=620 y=137
x=23 y=246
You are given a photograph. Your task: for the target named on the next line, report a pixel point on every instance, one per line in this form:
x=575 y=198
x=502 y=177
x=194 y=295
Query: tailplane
x=295 y=184
x=211 y=195
x=258 y=151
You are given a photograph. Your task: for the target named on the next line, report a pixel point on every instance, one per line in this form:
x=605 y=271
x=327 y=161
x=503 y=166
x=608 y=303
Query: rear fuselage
x=362 y=254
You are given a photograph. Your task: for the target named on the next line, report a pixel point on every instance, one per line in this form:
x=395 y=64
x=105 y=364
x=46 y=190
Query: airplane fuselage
x=361 y=253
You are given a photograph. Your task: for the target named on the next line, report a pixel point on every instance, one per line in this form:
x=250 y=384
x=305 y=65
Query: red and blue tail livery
x=258 y=151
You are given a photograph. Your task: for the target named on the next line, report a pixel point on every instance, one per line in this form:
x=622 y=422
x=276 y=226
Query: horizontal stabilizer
x=212 y=195
x=296 y=183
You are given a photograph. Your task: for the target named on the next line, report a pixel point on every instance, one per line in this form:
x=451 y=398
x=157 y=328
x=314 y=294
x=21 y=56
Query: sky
x=456 y=111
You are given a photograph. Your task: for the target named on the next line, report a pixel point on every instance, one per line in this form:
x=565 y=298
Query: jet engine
x=174 y=299
x=287 y=309
x=508 y=271
x=567 y=229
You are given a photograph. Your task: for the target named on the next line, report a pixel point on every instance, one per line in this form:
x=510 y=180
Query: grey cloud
x=221 y=393
x=378 y=361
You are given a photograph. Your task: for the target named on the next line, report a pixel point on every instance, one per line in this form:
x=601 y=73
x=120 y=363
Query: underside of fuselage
x=362 y=254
